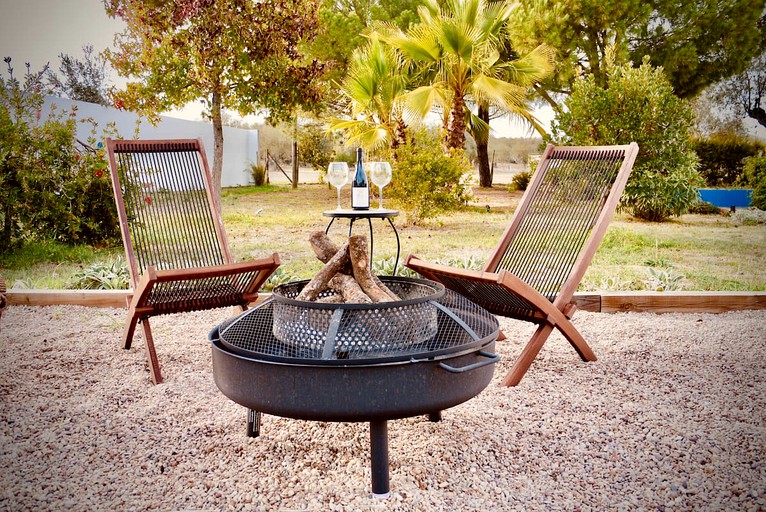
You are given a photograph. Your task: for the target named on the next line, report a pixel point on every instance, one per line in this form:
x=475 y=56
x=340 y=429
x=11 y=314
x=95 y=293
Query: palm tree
x=372 y=88
x=456 y=51
x=524 y=72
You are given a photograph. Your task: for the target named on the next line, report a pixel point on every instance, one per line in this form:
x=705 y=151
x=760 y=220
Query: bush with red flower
x=52 y=185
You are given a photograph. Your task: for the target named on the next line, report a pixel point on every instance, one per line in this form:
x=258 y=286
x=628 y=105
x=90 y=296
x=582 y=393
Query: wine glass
x=337 y=175
x=380 y=174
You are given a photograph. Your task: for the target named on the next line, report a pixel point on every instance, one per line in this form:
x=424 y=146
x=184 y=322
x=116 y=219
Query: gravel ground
x=671 y=417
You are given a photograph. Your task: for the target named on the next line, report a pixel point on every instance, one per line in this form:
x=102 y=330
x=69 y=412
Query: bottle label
x=360 y=197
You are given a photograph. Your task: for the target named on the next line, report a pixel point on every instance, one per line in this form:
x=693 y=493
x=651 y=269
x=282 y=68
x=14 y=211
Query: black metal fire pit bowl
x=365 y=362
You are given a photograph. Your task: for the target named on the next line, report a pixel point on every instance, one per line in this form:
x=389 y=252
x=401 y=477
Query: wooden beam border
x=682 y=302
x=606 y=302
x=90 y=298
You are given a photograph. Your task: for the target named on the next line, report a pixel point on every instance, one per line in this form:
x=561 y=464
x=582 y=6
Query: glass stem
x=338 y=188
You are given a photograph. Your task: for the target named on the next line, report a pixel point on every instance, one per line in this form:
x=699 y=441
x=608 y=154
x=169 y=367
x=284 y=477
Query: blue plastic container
x=726 y=197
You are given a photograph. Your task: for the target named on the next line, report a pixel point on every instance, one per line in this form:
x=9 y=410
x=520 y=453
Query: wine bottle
x=360 y=187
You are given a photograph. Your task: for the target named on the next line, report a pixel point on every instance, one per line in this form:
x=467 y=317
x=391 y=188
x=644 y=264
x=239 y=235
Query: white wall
x=240 y=147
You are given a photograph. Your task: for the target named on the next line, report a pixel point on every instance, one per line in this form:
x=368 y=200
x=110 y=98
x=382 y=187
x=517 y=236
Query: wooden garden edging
x=606 y=302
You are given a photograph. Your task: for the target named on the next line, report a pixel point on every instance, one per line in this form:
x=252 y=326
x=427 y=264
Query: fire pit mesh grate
x=457 y=321
x=338 y=330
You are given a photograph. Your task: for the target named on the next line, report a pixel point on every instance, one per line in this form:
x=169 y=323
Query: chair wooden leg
x=151 y=355
x=129 y=330
x=574 y=337
x=534 y=345
x=527 y=355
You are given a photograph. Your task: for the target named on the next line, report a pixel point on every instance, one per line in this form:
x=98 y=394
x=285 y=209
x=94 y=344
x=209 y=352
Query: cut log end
x=346 y=271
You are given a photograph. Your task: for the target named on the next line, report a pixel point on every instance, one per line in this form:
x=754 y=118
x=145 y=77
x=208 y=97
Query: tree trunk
x=456 y=134
x=400 y=135
x=217 y=143
x=482 y=151
x=7 y=234
x=758 y=114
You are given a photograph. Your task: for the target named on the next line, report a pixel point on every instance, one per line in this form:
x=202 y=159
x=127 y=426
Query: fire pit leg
x=379 y=458
x=435 y=416
x=253 y=423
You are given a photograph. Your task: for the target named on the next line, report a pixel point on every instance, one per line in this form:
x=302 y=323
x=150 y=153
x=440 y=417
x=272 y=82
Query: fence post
x=295 y=164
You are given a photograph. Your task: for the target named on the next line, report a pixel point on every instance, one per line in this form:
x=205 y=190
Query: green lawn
x=695 y=252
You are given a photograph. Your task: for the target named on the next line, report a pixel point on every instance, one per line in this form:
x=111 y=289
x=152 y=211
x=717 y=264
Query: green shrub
x=721 y=157
x=754 y=175
x=638 y=106
x=426 y=181
x=258 y=172
x=655 y=195
x=280 y=276
x=385 y=267
x=315 y=147
x=520 y=181
x=52 y=187
x=101 y=276
x=704 y=208
x=664 y=280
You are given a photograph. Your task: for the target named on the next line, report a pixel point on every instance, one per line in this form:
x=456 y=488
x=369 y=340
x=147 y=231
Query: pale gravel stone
x=671 y=417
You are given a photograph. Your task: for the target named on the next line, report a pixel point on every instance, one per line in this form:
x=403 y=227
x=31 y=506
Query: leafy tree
x=81 y=80
x=745 y=93
x=712 y=119
x=343 y=23
x=316 y=146
x=698 y=43
x=402 y=13
x=241 y=55
x=637 y=106
x=340 y=35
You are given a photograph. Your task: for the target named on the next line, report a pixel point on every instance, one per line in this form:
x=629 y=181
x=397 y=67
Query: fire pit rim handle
x=491 y=359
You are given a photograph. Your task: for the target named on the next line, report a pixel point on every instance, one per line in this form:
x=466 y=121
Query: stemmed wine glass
x=380 y=174
x=337 y=175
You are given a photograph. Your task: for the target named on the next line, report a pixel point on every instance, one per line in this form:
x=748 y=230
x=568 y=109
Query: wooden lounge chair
x=172 y=229
x=543 y=254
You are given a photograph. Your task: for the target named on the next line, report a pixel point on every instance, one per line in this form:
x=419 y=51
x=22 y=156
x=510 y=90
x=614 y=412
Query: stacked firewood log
x=346 y=276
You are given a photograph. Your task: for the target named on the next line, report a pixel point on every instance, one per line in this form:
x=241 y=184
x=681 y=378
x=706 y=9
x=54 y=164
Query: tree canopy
x=241 y=55
x=697 y=43
x=81 y=79
x=745 y=93
x=345 y=21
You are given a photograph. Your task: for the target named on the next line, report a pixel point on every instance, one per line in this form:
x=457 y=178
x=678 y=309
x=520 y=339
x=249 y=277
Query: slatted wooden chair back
x=541 y=258
x=169 y=217
x=563 y=216
x=173 y=233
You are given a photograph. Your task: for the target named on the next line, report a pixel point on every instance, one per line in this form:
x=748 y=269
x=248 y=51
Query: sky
x=38 y=31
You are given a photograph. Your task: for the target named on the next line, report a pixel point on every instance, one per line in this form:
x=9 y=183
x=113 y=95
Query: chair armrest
x=430 y=270
x=267 y=265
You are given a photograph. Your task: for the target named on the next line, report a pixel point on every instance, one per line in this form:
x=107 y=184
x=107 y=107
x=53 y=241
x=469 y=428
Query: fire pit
x=432 y=350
